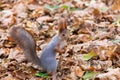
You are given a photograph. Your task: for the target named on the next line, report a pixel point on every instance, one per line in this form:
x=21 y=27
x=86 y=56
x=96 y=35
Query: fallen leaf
x=15 y=54
x=52 y=8
x=89 y=55
x=112 y=74
x=44 y=18
x=79 y=72
x=37 y=12
x=89 y=75
x=116 y=5
x=7 y=18
x=116 y=41
x=21 y=10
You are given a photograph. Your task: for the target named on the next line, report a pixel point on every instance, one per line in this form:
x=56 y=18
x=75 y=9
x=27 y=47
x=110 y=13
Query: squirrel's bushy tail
x=26 y=42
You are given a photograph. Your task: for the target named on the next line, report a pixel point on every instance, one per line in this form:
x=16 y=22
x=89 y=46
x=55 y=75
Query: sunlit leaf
x=52 y=8
x=74 y=9
x=56 y=7
x=89 y=75
x=59 y=0
x=116 y=41
x=89 y=55
x=70 y=8
x=49 y=7
x=65 y=7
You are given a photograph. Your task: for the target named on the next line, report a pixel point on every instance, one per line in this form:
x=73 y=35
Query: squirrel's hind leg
x=53 y=75
x=52 y=68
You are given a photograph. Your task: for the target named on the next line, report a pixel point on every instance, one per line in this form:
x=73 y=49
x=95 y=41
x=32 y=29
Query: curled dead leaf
x=37 y=12
x=79 y=72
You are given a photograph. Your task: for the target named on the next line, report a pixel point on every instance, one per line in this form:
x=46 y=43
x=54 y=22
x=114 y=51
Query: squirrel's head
x=62 y=29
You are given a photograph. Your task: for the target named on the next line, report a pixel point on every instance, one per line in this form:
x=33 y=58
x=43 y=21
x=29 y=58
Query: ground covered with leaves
x=93 y=50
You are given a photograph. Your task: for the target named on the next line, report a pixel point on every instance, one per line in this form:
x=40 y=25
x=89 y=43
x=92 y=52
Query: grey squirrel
x=47 y=60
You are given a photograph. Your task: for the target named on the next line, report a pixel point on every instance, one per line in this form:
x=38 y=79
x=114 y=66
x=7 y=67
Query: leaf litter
x=93 y=50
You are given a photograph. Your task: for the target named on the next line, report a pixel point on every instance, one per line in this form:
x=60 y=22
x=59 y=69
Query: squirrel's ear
x=62 y=24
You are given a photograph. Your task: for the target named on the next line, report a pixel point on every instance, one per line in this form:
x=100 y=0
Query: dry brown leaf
x=20 y=9
x=32 y=27
x=112 y=74
x=14 y=54
x=2 y=32
x=96 y=12
x=44 y=18
x=20 y=74
x=77 y=47
x=87 y=27
x=97 y=4
x=111 y=51
x=118 y=49
x=29 y=1
x=79 y=72
x=7 y=18
x=2 y=52
x=37 y=12
x=9 y=77
x=84 y=38
x=30 y=24
x=116 y=5
x=43 y=46
x=82 y=13
x=101 y=65
x=97 y=20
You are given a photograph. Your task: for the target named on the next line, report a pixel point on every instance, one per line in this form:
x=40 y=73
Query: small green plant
x=42 y=74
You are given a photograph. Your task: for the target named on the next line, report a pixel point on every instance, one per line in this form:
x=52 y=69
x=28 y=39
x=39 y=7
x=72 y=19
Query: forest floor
x=93 y=48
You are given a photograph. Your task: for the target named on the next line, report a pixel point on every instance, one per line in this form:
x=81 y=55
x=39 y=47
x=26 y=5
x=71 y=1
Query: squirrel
x=47 y=60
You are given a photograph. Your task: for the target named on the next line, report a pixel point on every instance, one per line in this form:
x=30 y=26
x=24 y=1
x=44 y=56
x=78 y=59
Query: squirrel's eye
x=63 y=34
